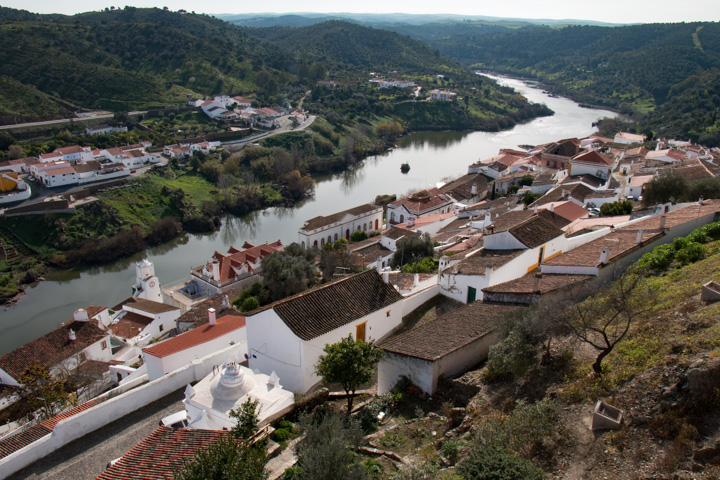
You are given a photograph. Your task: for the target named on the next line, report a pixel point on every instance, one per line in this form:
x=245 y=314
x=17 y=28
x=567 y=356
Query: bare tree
x=603 y=320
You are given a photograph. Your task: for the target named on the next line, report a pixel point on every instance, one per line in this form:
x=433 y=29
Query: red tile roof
x=160 y=454
x=196 y=336
x=568 y=210
x=130 y=325
x=248 y=253
x=619 y=244
x=422 y=201
x=592 y=157
x=51 y=422
x=526 y=284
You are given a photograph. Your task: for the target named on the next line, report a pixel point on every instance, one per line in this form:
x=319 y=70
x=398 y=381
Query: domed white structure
x=210 y=401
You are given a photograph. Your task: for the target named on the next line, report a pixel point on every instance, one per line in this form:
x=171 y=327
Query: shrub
x=691 y=253
x=659 y=259
x=249 y=304
x=492 y=463
x=358 y=236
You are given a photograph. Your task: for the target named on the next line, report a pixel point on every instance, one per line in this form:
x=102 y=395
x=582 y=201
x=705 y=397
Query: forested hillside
x=653 y=71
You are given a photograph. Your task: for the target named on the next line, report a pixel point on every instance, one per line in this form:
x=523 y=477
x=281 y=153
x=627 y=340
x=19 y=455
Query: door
x=360 y=332
x=472 y=293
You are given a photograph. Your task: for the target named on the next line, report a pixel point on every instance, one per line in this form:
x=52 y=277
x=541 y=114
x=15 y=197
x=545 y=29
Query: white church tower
x=147 y=285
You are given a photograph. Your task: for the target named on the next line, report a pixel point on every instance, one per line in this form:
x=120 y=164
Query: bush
x=358 y=236
x=249 y=304
x=491 y=463
x=511 y=357
x=659 y=259
x=621 y=207
x=690 y=253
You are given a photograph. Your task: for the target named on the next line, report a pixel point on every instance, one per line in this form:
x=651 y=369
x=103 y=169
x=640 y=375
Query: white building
x=174 y=353
x=210 y=401
x=448 y=345
x=104 y=129
x=138 y=321
x=327 y=229
x=419 y=204
x=288 y=336
x=442 y=95
x=63 y=349
x=628 y=138
x=56 y=174
x=591 y=163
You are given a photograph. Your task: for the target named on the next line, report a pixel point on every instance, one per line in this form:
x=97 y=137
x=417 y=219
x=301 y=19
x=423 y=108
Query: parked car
x=133 y=171
x=176 y=420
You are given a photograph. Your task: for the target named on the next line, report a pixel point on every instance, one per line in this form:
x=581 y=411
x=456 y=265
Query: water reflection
x=353 y=177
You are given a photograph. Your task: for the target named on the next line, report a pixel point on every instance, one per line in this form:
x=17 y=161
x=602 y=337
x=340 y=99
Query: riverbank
x=433 y=157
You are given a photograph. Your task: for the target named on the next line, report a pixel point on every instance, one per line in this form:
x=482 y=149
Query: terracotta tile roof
x=130 y=325
x=443 y=237
x=70 y=150
x=248 y=254
x=594 y=158
x=434 y=340
x=535 y=231
x=455 y=225
x=320 y=222
x=579 y=192
x=592 y=180
x=461 y=189
x=90 y=166
x=568 y=210
x=196 y=336
x=26 y=436
x=50 y=423
x=397 y=233
x=693 y=172
x=636 y=152
x=160 y=454
x=619 y=244
x=465 y=245
x=676 y=217
x=640 y=180
x=149 y=306
x=476 y=263
x=198 y=315
x=406 y=281
x=59 y=171
x=422 y=201
x=526 y=284
x=508 y=220
x=372 y=251
x=545 y=178
x=53 y=347
x=22 y=439
x=325 y=308
x=428 y=220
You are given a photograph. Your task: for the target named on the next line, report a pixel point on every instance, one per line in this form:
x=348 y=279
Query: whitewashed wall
x=393 y=366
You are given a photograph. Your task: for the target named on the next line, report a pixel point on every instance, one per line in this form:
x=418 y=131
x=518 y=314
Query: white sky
x=613 y=11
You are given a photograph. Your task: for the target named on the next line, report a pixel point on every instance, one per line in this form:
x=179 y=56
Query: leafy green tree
x=289 y=272
x=412 y=249
x=358 y=236
x=426 y=265
x=665 y=187
x=350 y=363
x=621 y=207
x=41 y=392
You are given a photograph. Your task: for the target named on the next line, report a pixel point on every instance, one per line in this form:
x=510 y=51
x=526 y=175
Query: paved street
x=88 y=456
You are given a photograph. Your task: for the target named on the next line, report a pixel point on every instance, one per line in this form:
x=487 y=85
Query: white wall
x=393 y=366
x=348 y=222
x=159 y=366
x=502 y=241
x=110 y=409
x=273 y=347
x=414 y=300
x=463 y=359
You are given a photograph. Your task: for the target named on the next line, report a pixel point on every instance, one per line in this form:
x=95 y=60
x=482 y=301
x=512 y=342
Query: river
x=433 y=156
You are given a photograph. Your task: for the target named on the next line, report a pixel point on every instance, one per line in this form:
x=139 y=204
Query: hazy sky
x=614 y=11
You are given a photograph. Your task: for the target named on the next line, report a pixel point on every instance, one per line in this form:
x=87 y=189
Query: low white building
x=628 y=138
x=57 y=175
x=169 y=355
x=138 y=321
x=288 y=336
x=442 y=96
x=591 y=163
x=63 y=349
x=449 y=345
x=210 y=402
x=419 y=204
x=635 y=187
x=327 y=229
x=104 y=129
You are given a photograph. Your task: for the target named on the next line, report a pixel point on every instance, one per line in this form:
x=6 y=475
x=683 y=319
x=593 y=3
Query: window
x=402 y=218
x=103 y=345
x=541 y=255
x=388 y=313
x=335 y=237
x=81 y=357
x=162 y=327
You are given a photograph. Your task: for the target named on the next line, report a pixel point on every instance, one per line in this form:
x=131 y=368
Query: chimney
x=563 y=193
x=81 y=315
x=473 y=189
x=225 y=303
x=488 y=218
x=411 y=222
x=416 y=280
x=604 y=256
x=536 y=285
x=378 y=266
x=663 y=219
x=71 y=335
x=216 y=271
x=488 y=271
x=211 y=316
x=638 y=239
x=552 y=208
x=535 y=208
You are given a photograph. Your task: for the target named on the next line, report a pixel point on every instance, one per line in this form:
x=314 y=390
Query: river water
x=433 y=156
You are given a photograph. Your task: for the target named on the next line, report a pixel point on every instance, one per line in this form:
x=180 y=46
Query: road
x=90 y=117
x=87 y=457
